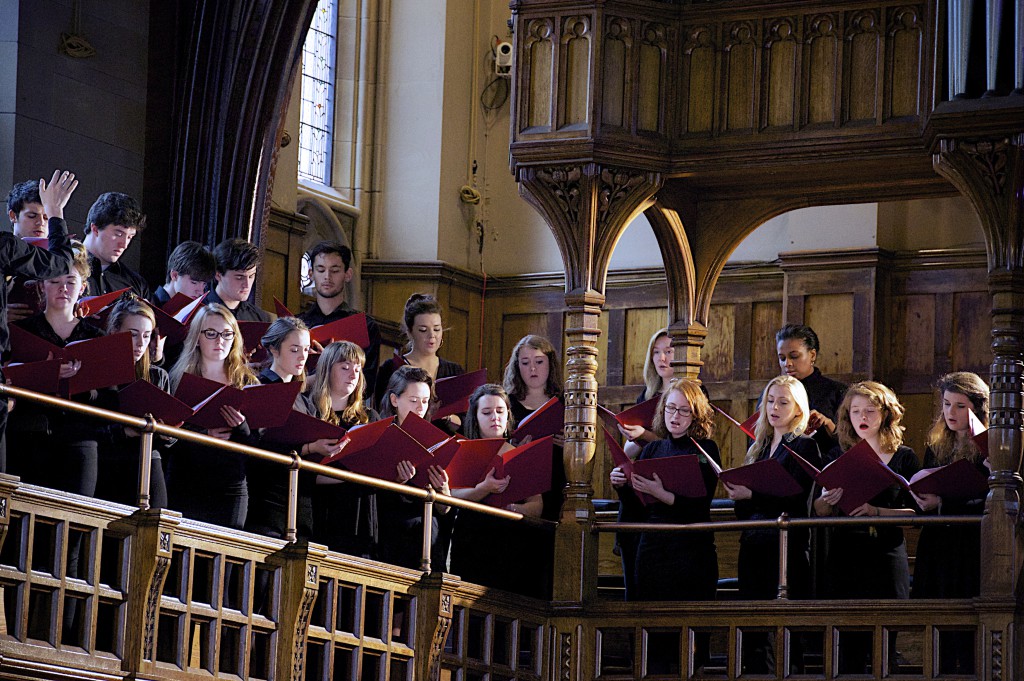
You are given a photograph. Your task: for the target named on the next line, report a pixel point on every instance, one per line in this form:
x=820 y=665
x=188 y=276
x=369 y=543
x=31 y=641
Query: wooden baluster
x=146 y=462
x=299 y=583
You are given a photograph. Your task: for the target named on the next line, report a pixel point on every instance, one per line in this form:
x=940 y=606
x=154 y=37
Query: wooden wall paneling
x=944 y=329
x=457 y=333
x=699 y=75
x=538 y=54
x=821 y=94
x=831 y=317
x=972 y=329
x=618 y=35
x=912 y=342
x=766 y=319
x=574 y=96
x=719 y=347
x=739 y=74
x=904 y=61
x=641 y=324
x=781 y=72
x=616 y=345
x=742 y=329
x=652 y=78
x=919 y=412
x=861 y=61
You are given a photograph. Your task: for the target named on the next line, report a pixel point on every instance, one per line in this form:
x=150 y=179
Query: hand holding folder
x=638 y=415
x=264 y=406
x=473 y=460
x=42 y=377
x=382 y=457
x=529 y=470
x=142 y=397
x=961 y=480
x=300 y=429
x=861 y=475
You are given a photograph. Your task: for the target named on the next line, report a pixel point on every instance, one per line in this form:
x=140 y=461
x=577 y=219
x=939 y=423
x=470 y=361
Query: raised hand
x=56 y=194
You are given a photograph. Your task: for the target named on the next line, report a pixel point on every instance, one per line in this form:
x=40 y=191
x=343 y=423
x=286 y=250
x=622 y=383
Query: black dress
x=345 y=514
x=871 y=562
x=948 y=563
x=759 y=549
x=69 y=440
x=681 y=566
x=268 y=483
x=119 y=457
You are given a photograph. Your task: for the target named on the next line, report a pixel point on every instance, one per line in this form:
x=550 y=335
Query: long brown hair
x=703 y=422
x=397 y=384
x=129 y=306
x=191 y=360
x=319 y=389
x=513 y=380
x=471 y=424
x=944 y=442
x=890 y=433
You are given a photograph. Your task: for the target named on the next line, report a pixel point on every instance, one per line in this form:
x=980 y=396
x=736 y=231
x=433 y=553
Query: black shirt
x=18 y=257
x=245 y=312
x=114 y=278
x=314 y=316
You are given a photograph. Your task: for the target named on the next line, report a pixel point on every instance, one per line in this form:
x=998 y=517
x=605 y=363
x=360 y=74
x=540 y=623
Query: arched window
x=316 y=118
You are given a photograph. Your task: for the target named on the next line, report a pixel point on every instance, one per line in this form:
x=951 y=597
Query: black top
x=824 y=395
x=445 y=369
x=160 y=296
x=39 y=326
x=18 y=257
x=554 y=496
x=314 y=316
x=762 y=506
x=114 y=278
x=684 y=509
x=245 y=312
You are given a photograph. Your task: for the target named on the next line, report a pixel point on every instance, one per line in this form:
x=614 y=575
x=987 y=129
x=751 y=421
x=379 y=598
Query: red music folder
x=441 y=455
x=92 y=306
x=26 y=292
x=473 y=460
x=861 y=475
x=960 y=480
x=454 y=392
x=301 y=428
x=680 y=475
x=381 y=459
x=423 y=431
x=768 y=477
x=360 y=438
x=747 y=426
x=351 y=329
x=269 y=405
x=193 y=389
x=105 y=361
x=399 y=359
x=626 y=464
x=142 y=397
x=264 y=406
x=27 y=347
x=528 y=468
x=42 y=377
x=252 y=332
x=188 y=311
x=280 y=309
x=548 y=419
x=638 y=415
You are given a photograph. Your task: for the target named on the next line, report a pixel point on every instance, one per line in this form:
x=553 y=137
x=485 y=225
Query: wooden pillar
x=990 y=172
x=300 y=581
x=587 y=207
x=434 y=598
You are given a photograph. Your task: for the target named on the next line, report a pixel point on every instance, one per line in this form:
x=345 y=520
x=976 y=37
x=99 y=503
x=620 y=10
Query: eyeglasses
x=210 y=334
x=672 y=410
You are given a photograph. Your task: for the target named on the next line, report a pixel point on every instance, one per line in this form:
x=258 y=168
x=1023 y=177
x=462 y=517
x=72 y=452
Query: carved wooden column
x=990 y=172
x=433 y=622
x=300 y=581
x=587 y=207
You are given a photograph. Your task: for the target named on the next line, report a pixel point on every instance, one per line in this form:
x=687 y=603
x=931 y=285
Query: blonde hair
x=191 y=360
x=130 y=306
x=890 y=432
x=513 y=380
x=763 y=431
x=651 y=378
x=944 y=442
x=703 y=422
x=320 y=384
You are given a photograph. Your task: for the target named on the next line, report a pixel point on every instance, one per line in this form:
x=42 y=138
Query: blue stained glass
x=316 y=114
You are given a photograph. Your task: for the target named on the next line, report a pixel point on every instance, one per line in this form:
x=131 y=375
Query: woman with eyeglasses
x=204 y=483
x=675 y=565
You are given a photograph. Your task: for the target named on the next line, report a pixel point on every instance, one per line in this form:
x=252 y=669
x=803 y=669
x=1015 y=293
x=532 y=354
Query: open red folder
x=548 y=419
x=529 y=470
x=142 y=397
x=638 y=415
x=861 y=475
x=768 y=477
x=441 y=455
x=106 y=361
x=381 y=459
x=454 y=392
x=473 y=460
x=280 y=310
x=91 y=306
x=679 y=474
x=174 y=325
x=42 y=377
x=747 y=426
x=351 y=329
x=252 y=332
x=423 y=431
x=26 y=292
x=960 y=480
x=302 y=428
x=360 y=438
x=264 y=406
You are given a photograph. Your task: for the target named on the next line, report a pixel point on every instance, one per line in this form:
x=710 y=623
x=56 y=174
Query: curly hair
x=763 y=431
x=191 y=360
x=944 y=442
x=319 y=389
x=890 y=432
x=703 y=422
x=513 y=380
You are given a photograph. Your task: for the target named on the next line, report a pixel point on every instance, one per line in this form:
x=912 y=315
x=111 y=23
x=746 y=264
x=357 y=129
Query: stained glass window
x=316 y=119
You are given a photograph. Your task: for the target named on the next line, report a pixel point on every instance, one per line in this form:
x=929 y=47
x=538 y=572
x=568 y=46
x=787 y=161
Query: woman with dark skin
x=798 y=349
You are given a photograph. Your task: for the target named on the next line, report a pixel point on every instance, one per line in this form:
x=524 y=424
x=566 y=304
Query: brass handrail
x=148 y=427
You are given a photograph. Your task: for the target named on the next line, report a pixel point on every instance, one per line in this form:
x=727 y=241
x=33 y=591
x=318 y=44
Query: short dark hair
x=331 y=247
x=191 y=259
x=115 y=208
x=236 y=254
x=22 y=193
x=801 y=333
